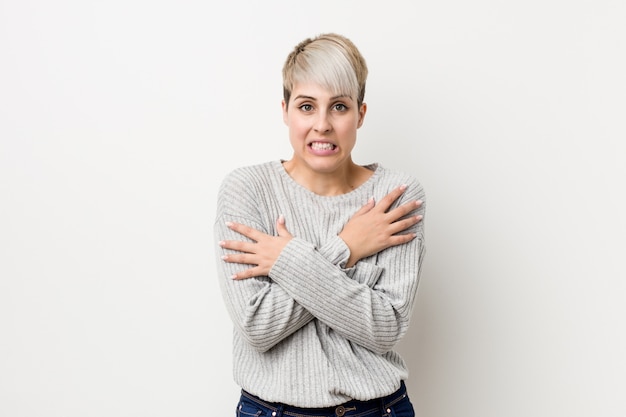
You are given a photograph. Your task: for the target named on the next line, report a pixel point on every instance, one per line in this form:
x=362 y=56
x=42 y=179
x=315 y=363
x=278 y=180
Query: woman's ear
x=284 y=106
x=362 y=111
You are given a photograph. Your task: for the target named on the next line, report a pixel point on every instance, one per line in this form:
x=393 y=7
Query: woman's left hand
x=262 y=252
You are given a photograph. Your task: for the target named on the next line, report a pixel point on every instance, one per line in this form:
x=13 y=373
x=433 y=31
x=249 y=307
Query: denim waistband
x=350 y=408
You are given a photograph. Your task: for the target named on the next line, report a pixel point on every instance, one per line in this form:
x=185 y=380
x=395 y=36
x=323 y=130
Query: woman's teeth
x=322 y=146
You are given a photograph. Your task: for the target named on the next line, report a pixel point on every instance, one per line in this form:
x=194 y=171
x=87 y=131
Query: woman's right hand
x=374 y=227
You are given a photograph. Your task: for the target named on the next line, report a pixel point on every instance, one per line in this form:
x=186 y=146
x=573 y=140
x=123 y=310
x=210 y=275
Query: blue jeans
x=394 y=405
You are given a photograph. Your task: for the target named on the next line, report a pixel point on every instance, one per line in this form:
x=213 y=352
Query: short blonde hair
x=330 y=60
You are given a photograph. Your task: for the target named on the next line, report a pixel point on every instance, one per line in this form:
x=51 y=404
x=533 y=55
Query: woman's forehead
x=315 y=90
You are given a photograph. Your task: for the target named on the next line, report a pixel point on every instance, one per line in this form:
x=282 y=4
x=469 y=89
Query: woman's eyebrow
x=304 y=97
x=301 y=96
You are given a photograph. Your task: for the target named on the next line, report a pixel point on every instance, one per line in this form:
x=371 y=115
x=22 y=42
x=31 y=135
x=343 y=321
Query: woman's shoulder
x=392 y=178
x=243 y=188
x=250 y=174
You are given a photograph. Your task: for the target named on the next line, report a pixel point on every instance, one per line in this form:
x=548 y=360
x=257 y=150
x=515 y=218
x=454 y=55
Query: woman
x=320 y=257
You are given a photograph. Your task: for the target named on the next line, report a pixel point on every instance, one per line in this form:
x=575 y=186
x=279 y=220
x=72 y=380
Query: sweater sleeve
x=369 y=304
x=261 y=311
x=337 y=252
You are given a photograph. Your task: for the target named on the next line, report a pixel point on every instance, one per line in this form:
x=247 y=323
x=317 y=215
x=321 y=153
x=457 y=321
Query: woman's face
x=322 y=127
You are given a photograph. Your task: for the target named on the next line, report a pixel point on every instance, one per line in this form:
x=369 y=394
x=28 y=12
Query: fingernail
x=403 y=187
x=281 y=219
x=229 y=224
x=233 y=276
x=221 y=243
x=419 y=217
x=224 y=257
x=418 y=203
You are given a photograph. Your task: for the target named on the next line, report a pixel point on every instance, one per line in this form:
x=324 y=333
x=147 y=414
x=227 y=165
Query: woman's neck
x=338 y=182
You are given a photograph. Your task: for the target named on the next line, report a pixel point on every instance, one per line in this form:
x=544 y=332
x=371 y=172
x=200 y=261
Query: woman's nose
x=322 y=124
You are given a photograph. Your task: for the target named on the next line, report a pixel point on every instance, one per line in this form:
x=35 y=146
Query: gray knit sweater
x=313 y=333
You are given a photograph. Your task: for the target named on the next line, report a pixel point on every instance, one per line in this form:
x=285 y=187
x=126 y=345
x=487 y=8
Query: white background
x=118 y=120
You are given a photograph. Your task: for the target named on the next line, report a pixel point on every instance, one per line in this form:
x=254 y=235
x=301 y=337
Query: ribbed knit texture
x=313 y=333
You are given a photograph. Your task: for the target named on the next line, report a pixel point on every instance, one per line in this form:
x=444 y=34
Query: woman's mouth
x=322 y=146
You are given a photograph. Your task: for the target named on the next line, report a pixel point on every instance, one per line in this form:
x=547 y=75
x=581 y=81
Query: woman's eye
x=340 y=107
x=306 y=107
